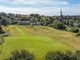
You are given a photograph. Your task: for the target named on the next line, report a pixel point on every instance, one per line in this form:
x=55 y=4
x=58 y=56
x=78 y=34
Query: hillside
x=38 y=40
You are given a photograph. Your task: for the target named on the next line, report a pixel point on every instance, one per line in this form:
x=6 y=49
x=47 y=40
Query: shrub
x=60 y=56
x=78 y=34
x=77 y=54
x=21 y=55
x=1 y=30
x=75 y=30
x=1 y=40
x=1 y=43
x=4 y=22
x=58 y=25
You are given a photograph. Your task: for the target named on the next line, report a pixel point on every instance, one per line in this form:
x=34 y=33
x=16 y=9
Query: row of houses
x=28 y=22
x=20 y=22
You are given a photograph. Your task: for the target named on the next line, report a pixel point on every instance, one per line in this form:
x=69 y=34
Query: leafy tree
x=21 y=55
x=70 y=23
x=58 y=25
x=4 y=22
x=35 y=15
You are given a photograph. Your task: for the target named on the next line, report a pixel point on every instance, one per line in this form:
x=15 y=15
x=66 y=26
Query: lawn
x=37 y=40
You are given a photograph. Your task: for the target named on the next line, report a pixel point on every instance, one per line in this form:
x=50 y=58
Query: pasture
x=38 y=40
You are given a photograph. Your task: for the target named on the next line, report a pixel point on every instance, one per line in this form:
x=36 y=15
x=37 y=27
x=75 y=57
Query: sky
x=43 y=7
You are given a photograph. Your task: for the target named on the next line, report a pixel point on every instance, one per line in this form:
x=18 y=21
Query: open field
x=38 y=40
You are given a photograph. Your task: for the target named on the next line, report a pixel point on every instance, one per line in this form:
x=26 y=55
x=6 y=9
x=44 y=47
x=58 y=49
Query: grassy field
x=38 y=40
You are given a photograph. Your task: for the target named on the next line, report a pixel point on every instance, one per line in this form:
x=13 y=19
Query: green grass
x=37 y=40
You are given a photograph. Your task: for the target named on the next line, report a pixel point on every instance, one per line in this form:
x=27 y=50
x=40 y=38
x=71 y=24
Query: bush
x=60 y=56
x=1 y=43
x=77 y=54
x=1 y=30
x=75 y=30
x=78 y=34
x=4 y=22
x=1 y=40
x=21 y=55
x=58 y=25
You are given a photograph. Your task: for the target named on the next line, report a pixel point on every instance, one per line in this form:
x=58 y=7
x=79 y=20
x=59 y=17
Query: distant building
x=76 y=24
x=61 y=15
x=36 y=23
x=24 y=22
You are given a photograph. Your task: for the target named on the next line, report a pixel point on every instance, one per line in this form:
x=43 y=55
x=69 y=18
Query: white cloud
x=33 y=3
x=49 y=7
x=42 y=11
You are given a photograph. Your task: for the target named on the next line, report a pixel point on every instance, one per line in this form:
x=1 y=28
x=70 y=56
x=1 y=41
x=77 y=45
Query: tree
x=21 y=55
x=58 y=25
x=34 y=15
x=4 y=22
x=78 y=34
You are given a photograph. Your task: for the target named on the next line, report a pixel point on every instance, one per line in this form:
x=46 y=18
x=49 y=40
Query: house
x=36 y=23
x=76 y=24
x=24 y=22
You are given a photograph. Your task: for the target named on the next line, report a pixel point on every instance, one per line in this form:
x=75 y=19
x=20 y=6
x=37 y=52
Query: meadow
x=38 y=40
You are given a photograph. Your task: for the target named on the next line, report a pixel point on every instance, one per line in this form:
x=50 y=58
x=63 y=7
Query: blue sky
x=43 y=7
